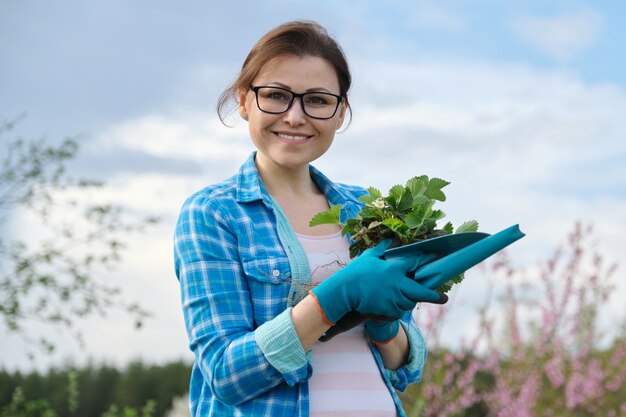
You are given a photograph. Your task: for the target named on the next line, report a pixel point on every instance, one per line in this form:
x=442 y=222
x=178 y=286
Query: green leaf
x=330 y=216
x=371 y=213
x=444 y=288
x=352 y=227
x=397 y=226
x=406 y=202
x=429 y=224
x=468 y=226
x=420 y=200
x=448 y=228
x=437 y=215
x=373 y=195
x=417 y=185
x=414 y=219
x=424 y=209
x=395 y=195
x=434 y=187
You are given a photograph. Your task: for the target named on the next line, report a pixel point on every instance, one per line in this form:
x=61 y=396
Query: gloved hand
x=381 y=332
x=347 y=322
x=371 y=285
x=436 y=261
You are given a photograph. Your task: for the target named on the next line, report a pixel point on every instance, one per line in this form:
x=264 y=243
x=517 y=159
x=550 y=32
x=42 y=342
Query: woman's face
x=292 y=139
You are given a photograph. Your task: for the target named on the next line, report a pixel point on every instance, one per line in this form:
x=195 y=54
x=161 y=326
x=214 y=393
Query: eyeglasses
x=277 y=100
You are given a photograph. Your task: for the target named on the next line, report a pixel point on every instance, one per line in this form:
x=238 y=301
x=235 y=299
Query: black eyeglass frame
x=293 y=97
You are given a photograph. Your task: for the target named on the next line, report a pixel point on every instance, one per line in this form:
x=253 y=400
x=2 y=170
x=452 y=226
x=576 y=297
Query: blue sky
x=518 y=103
x=108 y=60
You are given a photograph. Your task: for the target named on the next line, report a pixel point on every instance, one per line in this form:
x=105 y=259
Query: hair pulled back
x=298 y=38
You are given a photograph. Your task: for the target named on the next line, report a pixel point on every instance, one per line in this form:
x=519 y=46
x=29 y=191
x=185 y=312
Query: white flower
x=379 y=203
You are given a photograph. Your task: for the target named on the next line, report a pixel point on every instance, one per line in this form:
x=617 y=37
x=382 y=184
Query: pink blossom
x=554 y=371
x=544 y=363
x=582 y=388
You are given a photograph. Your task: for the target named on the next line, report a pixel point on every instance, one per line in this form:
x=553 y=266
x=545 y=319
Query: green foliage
x=20 y=407
x=51 y=278
x=469 y=226
x=145 y=411
x=138 y=390
x=406 y=215
x=332 y=216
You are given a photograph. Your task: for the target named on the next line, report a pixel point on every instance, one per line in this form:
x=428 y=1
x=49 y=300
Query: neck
x=281 y=181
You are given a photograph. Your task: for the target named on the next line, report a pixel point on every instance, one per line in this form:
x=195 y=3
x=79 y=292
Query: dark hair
x=299 y=38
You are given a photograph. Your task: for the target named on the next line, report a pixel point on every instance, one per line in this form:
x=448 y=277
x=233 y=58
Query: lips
x=292 y=136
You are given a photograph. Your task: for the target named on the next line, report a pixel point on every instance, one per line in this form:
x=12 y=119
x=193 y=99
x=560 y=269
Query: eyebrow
x=310 y=90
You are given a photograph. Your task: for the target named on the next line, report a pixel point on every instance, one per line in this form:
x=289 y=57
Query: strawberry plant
x=406 y=215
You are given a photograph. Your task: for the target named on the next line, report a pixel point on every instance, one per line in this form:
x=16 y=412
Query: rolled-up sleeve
x=237 y=362
x=281 y=346
x=412 y=371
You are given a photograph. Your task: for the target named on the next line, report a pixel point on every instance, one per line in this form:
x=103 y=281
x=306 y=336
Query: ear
x=242 y=105
x=343 y=109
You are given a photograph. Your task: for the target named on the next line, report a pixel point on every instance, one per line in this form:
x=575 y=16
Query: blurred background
x=520 y=105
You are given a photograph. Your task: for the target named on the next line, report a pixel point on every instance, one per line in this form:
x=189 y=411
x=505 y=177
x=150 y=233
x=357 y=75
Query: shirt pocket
x=269 y=281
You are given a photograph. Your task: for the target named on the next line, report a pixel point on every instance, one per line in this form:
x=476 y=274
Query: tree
x=138 y=390
x=49 y=275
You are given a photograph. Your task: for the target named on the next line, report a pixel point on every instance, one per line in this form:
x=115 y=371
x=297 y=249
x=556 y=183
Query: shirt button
x=276 y=272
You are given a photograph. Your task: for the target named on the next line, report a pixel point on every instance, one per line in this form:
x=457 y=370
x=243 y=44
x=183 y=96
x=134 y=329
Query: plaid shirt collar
x=250 y=187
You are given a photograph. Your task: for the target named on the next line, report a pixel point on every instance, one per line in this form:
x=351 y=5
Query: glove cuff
x=321 y=309
x=381 y=332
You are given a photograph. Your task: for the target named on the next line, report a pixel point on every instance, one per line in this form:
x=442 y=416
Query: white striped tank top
x=346 y=380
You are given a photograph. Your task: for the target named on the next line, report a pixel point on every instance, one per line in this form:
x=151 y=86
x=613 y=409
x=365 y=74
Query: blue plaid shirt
x=241 y=270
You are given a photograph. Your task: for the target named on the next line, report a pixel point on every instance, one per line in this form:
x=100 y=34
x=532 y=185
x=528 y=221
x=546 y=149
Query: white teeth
x=290 y=137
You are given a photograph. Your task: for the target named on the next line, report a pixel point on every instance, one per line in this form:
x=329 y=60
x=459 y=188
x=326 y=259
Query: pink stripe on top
x=346 y=380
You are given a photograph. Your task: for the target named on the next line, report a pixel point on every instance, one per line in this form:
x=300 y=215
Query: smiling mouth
x=291 y=137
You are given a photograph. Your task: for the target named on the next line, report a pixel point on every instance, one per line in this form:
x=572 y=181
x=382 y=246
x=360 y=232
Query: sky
x=519 y=104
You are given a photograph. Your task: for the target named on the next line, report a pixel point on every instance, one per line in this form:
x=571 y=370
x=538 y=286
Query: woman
x=260 y=287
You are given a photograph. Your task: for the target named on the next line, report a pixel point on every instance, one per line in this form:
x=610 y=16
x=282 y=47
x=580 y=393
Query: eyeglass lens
x=315 y=104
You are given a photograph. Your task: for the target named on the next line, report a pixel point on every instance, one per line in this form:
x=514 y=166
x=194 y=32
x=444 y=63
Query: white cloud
x=563 y=37
x=191 y=135
x=480 y=119
x=511 y=139
x=520 y=146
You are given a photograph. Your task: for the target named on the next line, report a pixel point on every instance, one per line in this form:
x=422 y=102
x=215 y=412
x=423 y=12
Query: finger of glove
x=378 y=318
x=347 y=322
x=392 y=304
x=330 y=333
x=379 y=249
x=350 y=320
x=402 y=265
x=405 y=304
x=385 y=301
x=421 y=260
x=419 y=293
x=378 y=324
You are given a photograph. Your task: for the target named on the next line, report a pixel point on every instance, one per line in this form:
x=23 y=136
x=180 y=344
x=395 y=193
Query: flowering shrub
x=538 y=356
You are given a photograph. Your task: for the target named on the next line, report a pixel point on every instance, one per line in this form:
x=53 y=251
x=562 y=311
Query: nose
x=295 y=115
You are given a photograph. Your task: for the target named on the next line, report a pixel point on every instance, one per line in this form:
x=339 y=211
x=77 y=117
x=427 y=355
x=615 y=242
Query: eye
x=275 y=94
x=320 y=99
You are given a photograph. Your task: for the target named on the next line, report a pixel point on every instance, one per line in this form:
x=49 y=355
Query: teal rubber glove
x=459 y=256
x=436 y=260
x=381 y=332
x=372 y=286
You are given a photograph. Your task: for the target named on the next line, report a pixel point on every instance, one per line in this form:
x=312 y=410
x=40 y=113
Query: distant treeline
x=99 y=387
